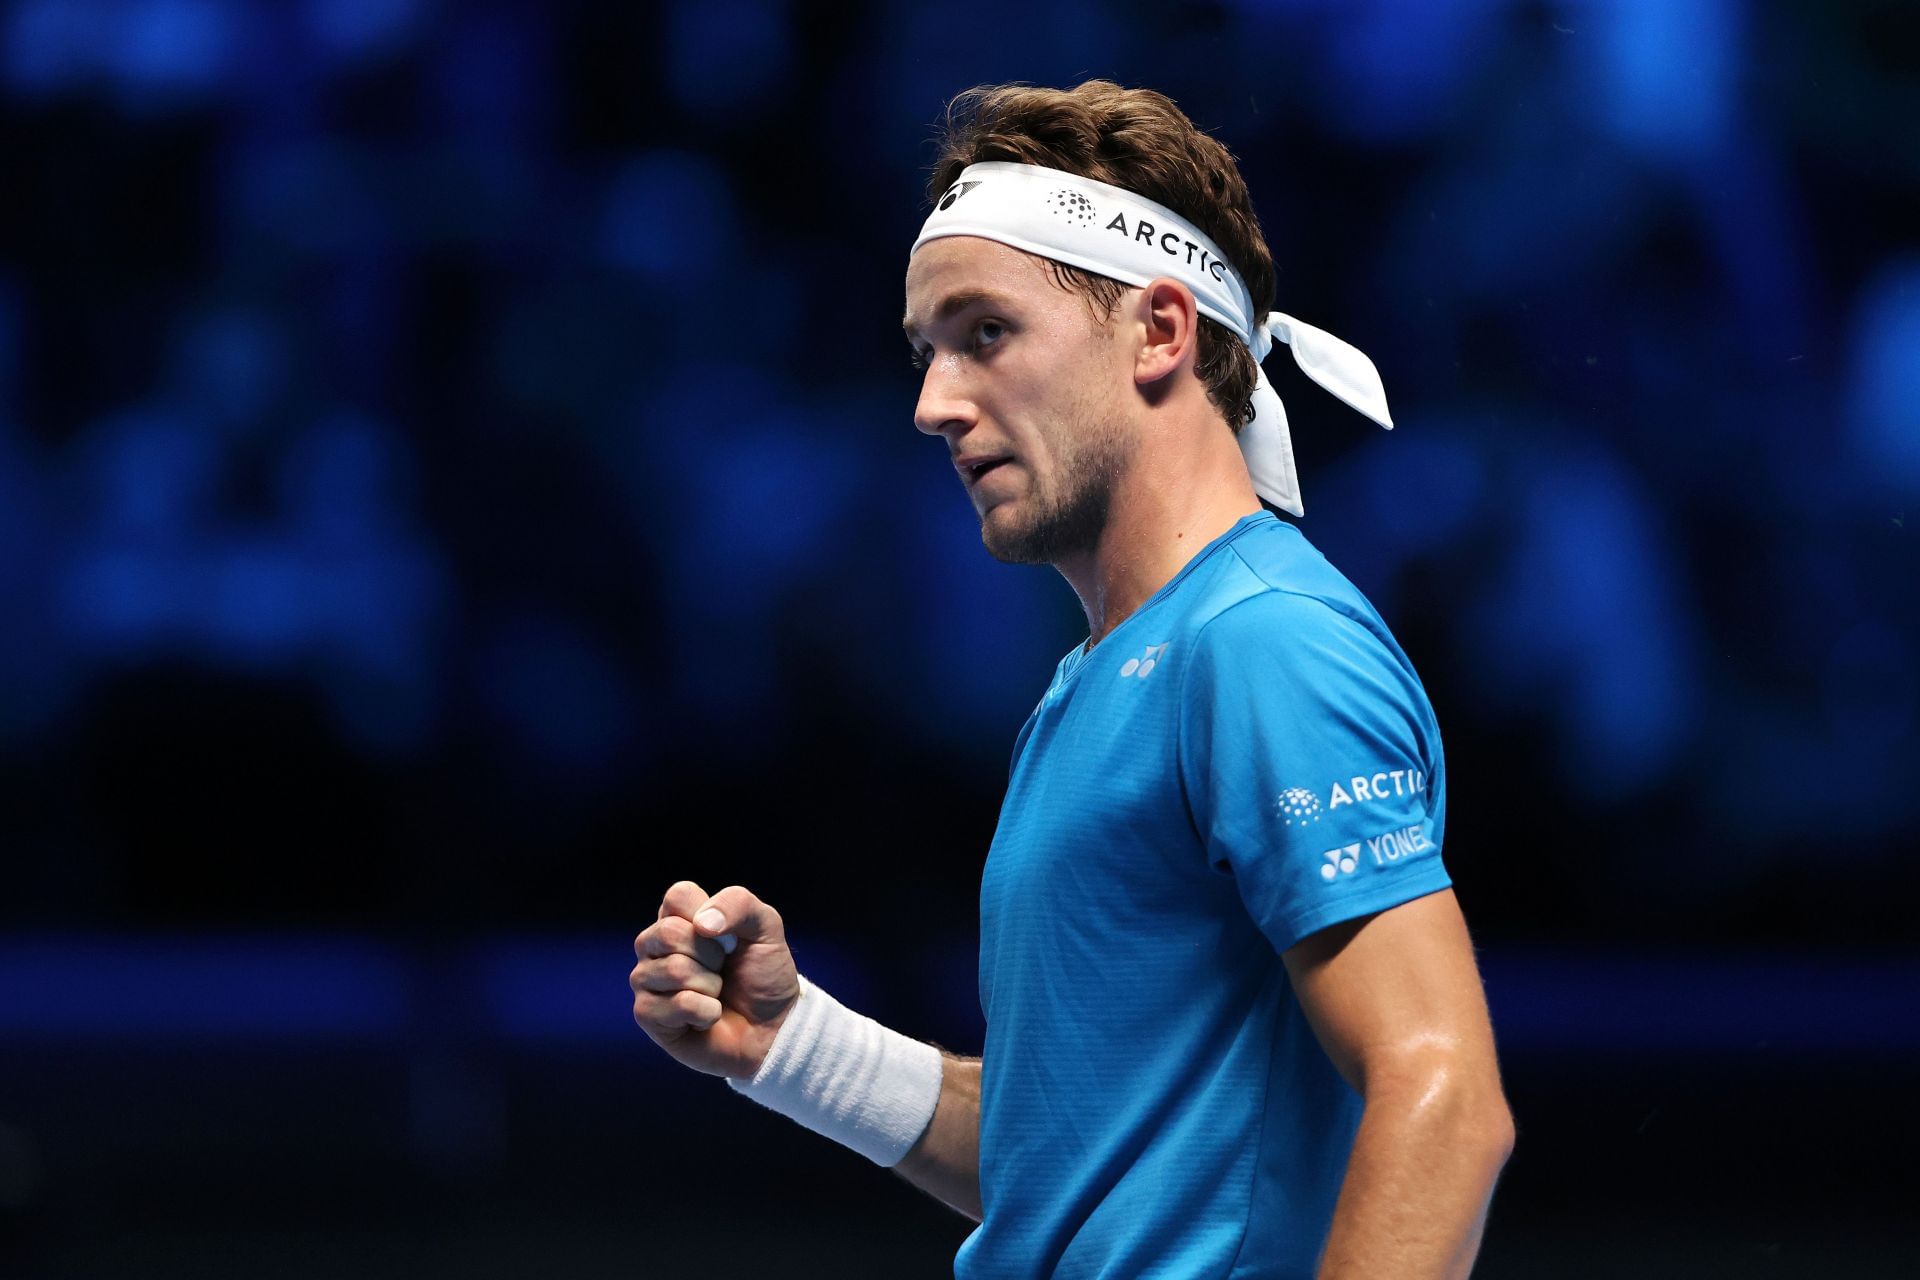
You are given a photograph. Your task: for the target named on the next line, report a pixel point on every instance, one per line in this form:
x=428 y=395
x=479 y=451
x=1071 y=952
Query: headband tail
x=1337 y=365
x=1268 y=450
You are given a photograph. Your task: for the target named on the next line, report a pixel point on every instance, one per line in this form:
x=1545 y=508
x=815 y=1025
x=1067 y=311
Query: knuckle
x=741 y=901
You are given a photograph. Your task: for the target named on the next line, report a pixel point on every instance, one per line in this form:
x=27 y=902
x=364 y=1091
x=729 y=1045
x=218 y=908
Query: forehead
x=963 y=268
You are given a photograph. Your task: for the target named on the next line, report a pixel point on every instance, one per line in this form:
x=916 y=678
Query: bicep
x=1396 y=995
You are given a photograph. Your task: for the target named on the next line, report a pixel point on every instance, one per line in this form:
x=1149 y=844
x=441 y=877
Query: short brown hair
x=1137 y=139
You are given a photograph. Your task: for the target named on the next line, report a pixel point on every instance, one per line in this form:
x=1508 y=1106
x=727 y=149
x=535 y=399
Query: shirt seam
x=1283 y=589
x=1260 y=1139
x=1186 y=673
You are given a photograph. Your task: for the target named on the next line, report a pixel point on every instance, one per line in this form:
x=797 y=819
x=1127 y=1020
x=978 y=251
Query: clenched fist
x=715 y=1012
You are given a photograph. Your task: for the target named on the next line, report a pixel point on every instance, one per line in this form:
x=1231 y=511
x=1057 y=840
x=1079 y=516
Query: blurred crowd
x=459 y=443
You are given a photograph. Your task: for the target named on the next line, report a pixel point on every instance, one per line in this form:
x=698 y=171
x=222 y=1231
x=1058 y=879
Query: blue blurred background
x=457 y=477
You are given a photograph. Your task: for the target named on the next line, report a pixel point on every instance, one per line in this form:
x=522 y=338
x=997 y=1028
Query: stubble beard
x=1073 y=521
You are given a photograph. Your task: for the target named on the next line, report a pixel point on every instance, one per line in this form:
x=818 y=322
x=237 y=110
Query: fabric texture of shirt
x=1246 y=759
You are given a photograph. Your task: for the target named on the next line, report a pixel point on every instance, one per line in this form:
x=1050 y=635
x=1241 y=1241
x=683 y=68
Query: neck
x=1184 y=489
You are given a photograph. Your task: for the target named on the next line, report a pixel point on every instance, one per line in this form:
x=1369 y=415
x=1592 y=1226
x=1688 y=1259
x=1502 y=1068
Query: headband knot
x=1116 y=233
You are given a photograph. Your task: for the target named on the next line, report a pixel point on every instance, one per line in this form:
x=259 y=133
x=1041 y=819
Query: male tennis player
x=1234 y=1024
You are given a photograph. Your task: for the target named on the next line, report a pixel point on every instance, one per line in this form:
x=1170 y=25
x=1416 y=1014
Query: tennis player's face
x=1019 y=378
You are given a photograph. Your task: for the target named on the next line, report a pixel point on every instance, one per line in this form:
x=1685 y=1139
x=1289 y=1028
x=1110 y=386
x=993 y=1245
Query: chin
x=1002 y=536
x=1011 y=541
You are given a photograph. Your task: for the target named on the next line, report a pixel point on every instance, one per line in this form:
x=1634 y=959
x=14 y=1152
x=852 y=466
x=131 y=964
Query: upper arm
x=1395 y=998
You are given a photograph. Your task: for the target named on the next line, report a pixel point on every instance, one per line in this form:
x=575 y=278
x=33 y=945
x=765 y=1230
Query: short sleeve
x=1311 y=762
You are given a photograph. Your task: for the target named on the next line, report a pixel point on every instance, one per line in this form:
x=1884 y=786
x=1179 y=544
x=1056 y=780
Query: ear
x=1168 y=324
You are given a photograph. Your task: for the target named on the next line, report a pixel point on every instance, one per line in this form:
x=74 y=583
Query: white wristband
x=843 y=1075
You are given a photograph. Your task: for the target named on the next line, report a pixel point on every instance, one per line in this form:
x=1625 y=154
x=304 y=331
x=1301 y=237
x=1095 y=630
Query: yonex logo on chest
x=1143 y=666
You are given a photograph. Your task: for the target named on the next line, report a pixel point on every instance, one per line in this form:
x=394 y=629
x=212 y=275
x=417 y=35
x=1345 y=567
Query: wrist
x=847 y=1077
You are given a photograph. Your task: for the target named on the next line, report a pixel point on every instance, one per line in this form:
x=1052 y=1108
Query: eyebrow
x=952 y=305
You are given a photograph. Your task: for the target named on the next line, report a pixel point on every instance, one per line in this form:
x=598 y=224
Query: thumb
x=736 y=910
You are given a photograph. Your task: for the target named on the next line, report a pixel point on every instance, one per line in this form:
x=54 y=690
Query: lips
x=971 y=469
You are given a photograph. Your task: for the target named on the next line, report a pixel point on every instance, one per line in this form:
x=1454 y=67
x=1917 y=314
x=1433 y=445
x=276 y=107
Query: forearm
x=945 y=1162
x=1418 y=1185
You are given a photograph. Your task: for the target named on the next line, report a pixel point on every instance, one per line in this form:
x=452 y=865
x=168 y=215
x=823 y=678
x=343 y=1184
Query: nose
x=941 y=407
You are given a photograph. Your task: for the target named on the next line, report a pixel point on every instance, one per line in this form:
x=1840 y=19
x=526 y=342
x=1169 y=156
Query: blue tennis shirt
x=1246 y=759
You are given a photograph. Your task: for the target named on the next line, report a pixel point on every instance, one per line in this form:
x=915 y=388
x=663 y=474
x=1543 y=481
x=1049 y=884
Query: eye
x=985 y=333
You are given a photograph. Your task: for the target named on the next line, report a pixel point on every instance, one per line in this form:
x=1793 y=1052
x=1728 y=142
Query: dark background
x=457 y=477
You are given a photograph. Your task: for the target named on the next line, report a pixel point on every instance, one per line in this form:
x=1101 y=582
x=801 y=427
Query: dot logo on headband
x=954 y=193
x=1072 y=206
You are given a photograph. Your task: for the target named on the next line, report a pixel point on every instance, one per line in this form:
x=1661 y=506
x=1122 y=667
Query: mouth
x=972 y=471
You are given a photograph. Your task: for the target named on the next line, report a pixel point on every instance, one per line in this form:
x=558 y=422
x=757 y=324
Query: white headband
x=1113 y=232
